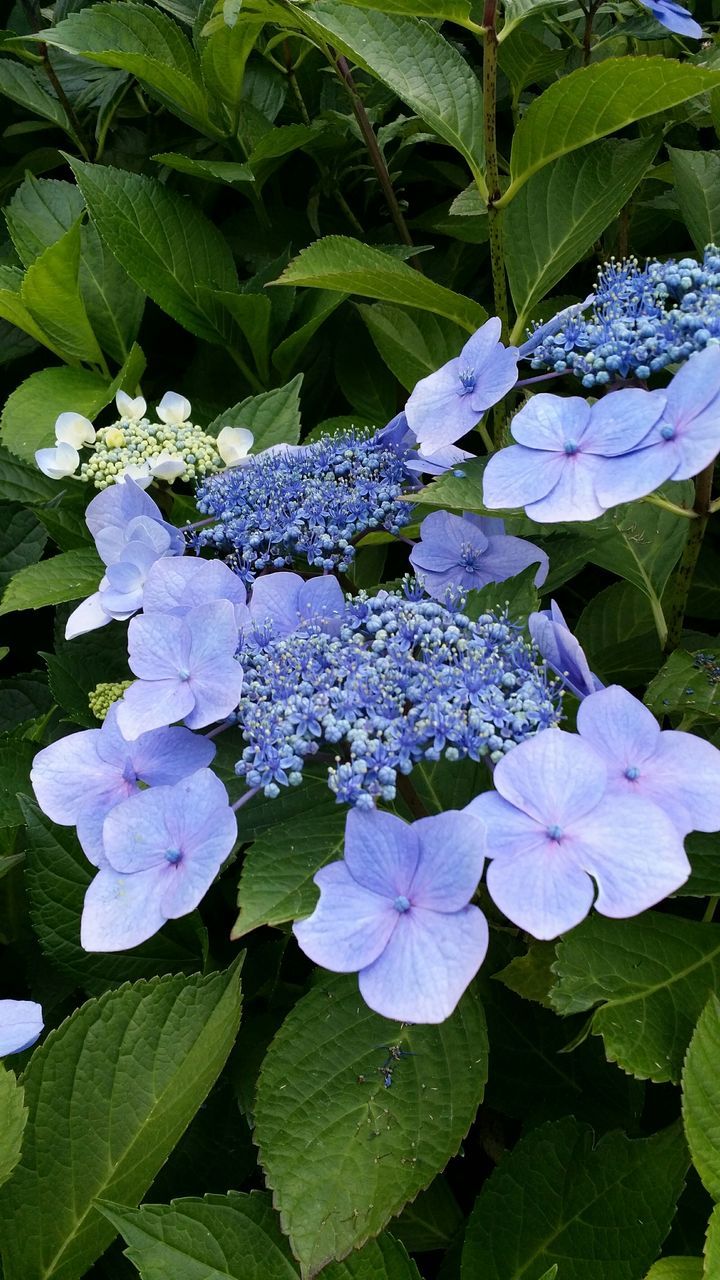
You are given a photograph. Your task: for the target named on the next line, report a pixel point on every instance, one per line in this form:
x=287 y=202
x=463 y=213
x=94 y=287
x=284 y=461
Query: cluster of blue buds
x=307 y=502
x=403 y=679
x=640 y=321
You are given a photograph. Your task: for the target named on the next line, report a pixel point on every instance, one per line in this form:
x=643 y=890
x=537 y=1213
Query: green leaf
x=51 y=292
x=558 y=1200
x=701 y=1097
x=145 y=42
x=712 y=1245
x=449 y=10
x=649 y=978
x=526 y=60
x=251 y=313
x=531 y=975
x=224 y=58
x=313 y=309
x=170 y=249
x=23 y=699
x=617 y=632
x=21 y=483
x=348 y=266
x=13 y=1118
x=687 y=682
x=676 y=1269
x=560 y=213
x=28 y=418
x=431 y=1221
x=703 y=851
x=381 y=1259
x=273 y=416
x=516 y=11
x=69 y=576
x=417 y=63
x=113 y=302
x=413 y=344
x=595 y=101
x=341 y=1152
x=40 y=212
x=22 y=540
x=233 y=1237
x=276 y=884
x=16 y=757
x=132 y=1069
x=697 y=186
x=26 y=86
x=227 y=171
x=15 y=311
x=518 y=595
x=58 y=875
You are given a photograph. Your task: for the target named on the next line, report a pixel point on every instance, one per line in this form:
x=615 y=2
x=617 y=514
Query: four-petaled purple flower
x=678 y=771
x=674 y=17
x=79 y=779
x=562 y=652
x=177 y=586
x=450 y=402
x=464 y=553
x=21 y=1022
x=552 y=827
x=564 y=464
x=163 y=849
x=186 y=668
x=284 y=602
x=396 y=910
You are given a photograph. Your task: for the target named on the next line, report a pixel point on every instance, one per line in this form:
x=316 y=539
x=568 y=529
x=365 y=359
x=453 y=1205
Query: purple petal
x=69 y=778
x=381 y=852
x=426 y=966
x=562 y=652
x=216 y=692
x=213 y=635
x=21 y=1022
x=480 y=347
x=548 y=422
x=621 y=421
x=555 y=777
x=516 y=476
x=496 y=377
x=176 y=585
x=636 y=474
x=619 y=727
x=451 y=862
x=507 y=556
x=694 y=389
x=683 y=779
x=321 y=602
x=574 y=495
x=121 y=911
x=349 y=927
x=505 y=830
x=634 y=853
x=158 y=647
x=675 y=18
x=153 y=704
x=164 y=756
x=135 y=833
x=543 y=891
x=438 y=412
x=275 y=602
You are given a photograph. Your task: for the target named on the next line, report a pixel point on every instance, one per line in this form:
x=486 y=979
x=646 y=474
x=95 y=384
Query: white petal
x=137 y=471
x=173 y=408
x=87 y=617
x=167 y=466
x=128 y=408
x=234 y=444
x=72 y=428
x=61 y=461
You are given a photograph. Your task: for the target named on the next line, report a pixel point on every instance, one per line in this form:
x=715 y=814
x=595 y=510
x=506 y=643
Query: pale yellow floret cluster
x=129 y=442
x=101 y=698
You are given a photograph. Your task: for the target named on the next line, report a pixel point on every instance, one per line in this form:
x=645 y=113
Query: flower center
x=468 y=380
x=570 y=448
x=470 y=558
x=183 y=674
x=667 y=433
x=632 y=773
x=555 y=833
x=401 y=903
x=173 y=856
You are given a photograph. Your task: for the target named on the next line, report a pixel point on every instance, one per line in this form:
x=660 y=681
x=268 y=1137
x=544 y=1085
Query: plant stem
x=682 y=580
x=292 y=81
x=411 y=797
x=247 y=795
x=492 y=175
x=376 y=156
x=656 y=501
x=245 y=370
x=710 y=910
x=32 y=13
x=589 y=12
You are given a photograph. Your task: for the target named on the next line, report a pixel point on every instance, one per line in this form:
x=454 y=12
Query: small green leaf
x=22 y=700
x=113 y=302
x=277 y=875
x=16 y=757
x=712 y=1246
x=413 y=344
x=341 y=1152
x=348 y=266
x=40 y=212
x=132 y=1068
x=676 y=1269
x=22 y=540
x=687 y=682
x=518 y=595
x=431 y=1221
x=558 y=1200
x=312 y=310
x=617 y=632
x=526 y=60
x=648 y=981
x=28 y=418
x=22 y=483
x=69 y=576
x=13 y=1118
x=26 y=86
x=51 y=292
x=448 y=10
x=701 y=1097
x=381 y=1259
x=697 y=186
x=227 y=171
x=273 y=416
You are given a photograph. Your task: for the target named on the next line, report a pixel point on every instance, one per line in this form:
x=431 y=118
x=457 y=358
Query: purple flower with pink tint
x=674 y=17
x=79 y=779
x=465 y=553
x=163 y=849
x=176 y=586
x=562 y=652
x=284 y=602
x=21 y=1022
x=556 y=833
x=678 y=771
x=396 y=911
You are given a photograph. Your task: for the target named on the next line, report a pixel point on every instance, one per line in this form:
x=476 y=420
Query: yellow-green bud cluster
x=130 y=442
x=101 y=698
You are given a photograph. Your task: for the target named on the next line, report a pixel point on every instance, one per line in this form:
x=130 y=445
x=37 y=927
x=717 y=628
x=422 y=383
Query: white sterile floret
x=173 y=409
x=129 y=409
x=137 y=471
x=167 y=466
x=74 y=429
x=61 y=461
x=234 y=445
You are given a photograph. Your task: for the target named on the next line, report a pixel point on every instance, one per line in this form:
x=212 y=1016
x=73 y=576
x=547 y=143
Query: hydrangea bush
x=360 y=733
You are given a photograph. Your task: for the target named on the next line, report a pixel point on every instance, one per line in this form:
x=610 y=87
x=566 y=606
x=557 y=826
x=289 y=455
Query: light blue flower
x=562 y=652
x=21 y=1022
x=465 y=553
x=674 y=17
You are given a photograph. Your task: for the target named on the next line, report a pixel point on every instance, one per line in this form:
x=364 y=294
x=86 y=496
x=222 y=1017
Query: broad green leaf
x=15 y=761
x=560 y=213
x=281 y=141
x=595 y=101
x=69 y=576
x=273 y=416
x=413 y=344
x=381 y=1259
x=431 y=1221
x=14 y=309
x=458 y=492
x=132 y=1069
x=416 y=62
x=676 y=1269
x=704 y=598
x=27 y=87
x=640 y=542
x=648 y=980
x=78 y=665
x=224 y=57
x=251 y=313
x=51 y=292
x=314 y=307
x=617 y=632
x=276 y=884
x=170 y=249
x=449 y=10
x=233 y=1237
x=558 y=1200
x=23 y=699
x=13 y=1118
x=58 y=875
x=341 y=1152
x=516 y=11
x=697 y=186
x=113 y=301
x=348 y=266
x=701 y=1097
x=525 y=60
x=145 y=42
x=703 y=851
x=40 y=212
x=22 y=541
x=712 y=1246
x=28 y=418
x=228 y=171
x=22 y=483
x=687 y=682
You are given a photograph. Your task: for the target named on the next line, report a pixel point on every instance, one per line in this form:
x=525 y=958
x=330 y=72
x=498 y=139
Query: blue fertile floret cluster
x=306 y=503
x=642 y=319
x=404 y=680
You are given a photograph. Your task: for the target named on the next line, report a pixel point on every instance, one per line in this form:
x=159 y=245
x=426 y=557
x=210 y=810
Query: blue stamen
x=632 y=773
x=173 y=856
x=555 y=832
x=401 y=903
